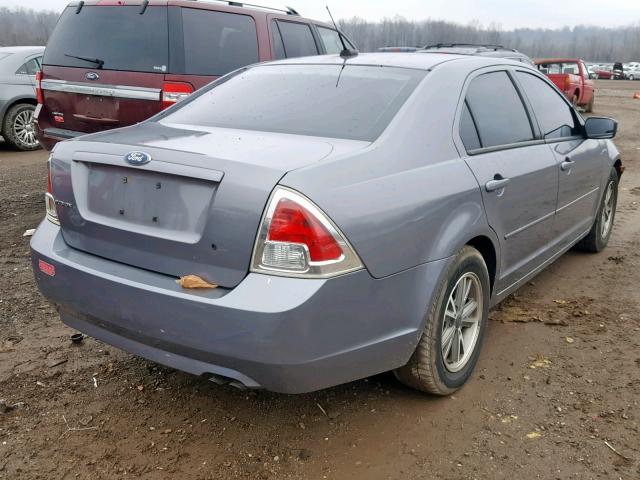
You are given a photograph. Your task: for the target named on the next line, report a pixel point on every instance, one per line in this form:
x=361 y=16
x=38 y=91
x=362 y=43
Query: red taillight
x=39 y=95
x=292 y=223
x=567 y=81
x=174 y=92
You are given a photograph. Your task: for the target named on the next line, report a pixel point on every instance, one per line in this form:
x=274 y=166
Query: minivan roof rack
x=287 y=10
x=476 y=45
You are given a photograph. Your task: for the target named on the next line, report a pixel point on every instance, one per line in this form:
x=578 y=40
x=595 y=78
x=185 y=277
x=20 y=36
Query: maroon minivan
x=113 y=63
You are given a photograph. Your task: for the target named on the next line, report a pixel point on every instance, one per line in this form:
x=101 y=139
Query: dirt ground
x=556 y=394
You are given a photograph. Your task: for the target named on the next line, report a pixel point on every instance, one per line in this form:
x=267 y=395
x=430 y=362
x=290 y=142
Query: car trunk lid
x=190 y=210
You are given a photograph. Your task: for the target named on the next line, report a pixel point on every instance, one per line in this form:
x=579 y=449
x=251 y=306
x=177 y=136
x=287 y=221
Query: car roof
x=25 y=50
x=220 y=5
x=420 y=60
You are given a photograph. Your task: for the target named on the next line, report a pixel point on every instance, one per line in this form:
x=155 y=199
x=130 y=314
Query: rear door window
x=552 y=112
x=118 y=36
x=498 y=111
x=297 y=39
x=216 y=43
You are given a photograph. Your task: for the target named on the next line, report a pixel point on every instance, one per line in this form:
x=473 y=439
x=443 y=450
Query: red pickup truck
x=571 y=76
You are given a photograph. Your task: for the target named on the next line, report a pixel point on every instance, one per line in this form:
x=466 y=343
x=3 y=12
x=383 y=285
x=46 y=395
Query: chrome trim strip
x=590 y=192
x=102 y=90
x=529 y=225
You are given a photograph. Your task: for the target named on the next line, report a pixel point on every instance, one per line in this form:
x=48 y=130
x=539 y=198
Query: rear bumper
x=286 y=335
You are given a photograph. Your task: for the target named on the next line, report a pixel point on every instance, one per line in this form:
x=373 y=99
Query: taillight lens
x=39 y=94
x=49 y=200
x=174 y=92
x=297 y=239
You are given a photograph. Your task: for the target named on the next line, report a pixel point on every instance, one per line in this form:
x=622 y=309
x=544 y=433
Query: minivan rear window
x=119 y=36
x=337 y=101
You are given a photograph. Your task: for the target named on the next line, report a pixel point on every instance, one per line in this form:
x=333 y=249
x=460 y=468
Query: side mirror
x=600 y=127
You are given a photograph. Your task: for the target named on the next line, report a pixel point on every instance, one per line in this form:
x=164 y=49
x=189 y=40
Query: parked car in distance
x=633 y=73
x=331 y=262
x=604 y=72
x=397 y=49
x=570 y=75
x=109 y=65
x=18 y=67
x=618 y=71
x=483 y=50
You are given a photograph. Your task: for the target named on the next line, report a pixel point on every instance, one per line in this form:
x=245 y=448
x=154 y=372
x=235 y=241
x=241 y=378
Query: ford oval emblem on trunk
x=137 y=158
x=92 y=76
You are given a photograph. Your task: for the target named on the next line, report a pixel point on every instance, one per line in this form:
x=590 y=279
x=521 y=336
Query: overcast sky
x=508 y=13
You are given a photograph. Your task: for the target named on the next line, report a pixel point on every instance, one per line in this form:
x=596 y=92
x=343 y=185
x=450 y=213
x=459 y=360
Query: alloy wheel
x=461 y=323
x=607 y=210
x=23 y=129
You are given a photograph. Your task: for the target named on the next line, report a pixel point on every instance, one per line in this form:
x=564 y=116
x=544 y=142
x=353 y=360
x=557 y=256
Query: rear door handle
x=567 y=164
x=496 y=184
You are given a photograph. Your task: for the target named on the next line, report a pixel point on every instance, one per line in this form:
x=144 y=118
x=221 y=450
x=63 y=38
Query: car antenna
x=346 y=52
x=143 y=7
x=79 y=7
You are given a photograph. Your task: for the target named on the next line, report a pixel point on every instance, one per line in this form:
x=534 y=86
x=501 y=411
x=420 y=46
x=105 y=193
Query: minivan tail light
x=39 y=95
x=297 y=239
x=49 y=200
x=174 y=92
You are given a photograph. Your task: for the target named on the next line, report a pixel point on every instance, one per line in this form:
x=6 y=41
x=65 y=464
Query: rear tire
x=450 y=344
x=589 y=107
x=17 y=127
x=598 y=237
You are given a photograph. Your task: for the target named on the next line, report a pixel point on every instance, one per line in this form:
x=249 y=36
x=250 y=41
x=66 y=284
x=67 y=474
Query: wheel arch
x=13 y=102
x=489 y=253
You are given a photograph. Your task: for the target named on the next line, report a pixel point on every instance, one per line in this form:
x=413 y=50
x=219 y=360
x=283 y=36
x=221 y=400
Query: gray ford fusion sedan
x=358 y=215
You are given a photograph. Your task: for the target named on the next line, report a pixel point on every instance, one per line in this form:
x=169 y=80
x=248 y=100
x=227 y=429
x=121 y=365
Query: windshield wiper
x=99 y=62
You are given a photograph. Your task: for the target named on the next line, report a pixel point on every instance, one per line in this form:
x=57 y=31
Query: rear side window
x=468 y=132
x=330 y=40
x=116 y=35
x=29 y=68
x=498 y=111
x=297 y=39
x=552 y=112
x=216 y=43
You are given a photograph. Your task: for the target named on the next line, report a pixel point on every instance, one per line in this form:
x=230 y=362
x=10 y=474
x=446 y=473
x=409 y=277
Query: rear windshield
x=116 y=35
x=559 y=68
x=354 y=102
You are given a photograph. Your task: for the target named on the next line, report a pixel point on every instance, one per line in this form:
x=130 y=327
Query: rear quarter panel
x=408 y=198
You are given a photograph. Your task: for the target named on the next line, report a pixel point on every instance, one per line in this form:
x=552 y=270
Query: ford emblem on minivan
x=137 y=158
x=92 y=76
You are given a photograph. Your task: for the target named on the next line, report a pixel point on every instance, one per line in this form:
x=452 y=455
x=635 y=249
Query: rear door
x=579 y=161
x=104 y=66
x=516 y=171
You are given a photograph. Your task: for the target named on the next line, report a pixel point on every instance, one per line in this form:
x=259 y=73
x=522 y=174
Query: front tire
x=17 y=127
x=598 y=237
x=450 y=344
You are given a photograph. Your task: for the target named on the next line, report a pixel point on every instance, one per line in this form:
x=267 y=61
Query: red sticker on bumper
x=47 y=268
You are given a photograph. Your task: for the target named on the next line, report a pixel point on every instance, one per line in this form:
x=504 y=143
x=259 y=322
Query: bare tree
x=587 y=42
x=25 y=27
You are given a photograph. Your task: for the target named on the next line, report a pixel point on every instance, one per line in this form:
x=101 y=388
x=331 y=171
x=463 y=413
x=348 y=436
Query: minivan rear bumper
x=283 y=334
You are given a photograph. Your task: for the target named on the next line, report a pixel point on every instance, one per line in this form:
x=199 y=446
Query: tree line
x=597 y=44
